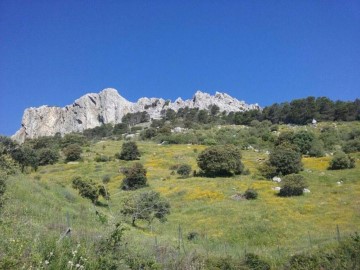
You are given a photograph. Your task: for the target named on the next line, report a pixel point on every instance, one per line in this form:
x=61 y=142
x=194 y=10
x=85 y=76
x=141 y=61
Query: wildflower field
x=40 y=207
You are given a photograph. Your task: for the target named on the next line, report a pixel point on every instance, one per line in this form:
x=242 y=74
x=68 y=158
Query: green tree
x=26 y=156
x=285 y=160
x=221 y=160
x=135 y=177
x=72 y=152
x=292 y=185
x=303 y=139
x=146 y=206
x=89 y=189
x=129 y=151
x=184 y=170
x=341 y=161
x=48 y=156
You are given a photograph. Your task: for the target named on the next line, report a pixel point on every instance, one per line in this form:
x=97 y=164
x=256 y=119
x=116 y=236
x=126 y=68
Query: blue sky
x=52 y=52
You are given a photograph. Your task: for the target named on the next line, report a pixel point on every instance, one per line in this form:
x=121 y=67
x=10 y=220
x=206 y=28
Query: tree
x=341 y=161
x=72 y=152
x=220 y=160
x=184 y=170
x=48 y=156
x=135 y=177
x=292 y=185
x=146 y=206
x=129 y=151
x=303 y=139
x=285 y=160
x=89 y=189
x=3 y=177
x=26 y=156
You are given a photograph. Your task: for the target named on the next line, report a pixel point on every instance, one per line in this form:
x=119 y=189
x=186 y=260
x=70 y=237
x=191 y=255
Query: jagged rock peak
x=108 y=106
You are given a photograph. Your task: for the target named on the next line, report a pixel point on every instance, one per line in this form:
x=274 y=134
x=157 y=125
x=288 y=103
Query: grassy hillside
x=40 y=204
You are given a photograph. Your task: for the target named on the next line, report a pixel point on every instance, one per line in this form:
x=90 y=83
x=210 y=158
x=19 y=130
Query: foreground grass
x=42 y=203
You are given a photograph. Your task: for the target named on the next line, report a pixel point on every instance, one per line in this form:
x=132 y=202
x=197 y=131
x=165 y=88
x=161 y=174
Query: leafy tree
x=120 y=128
x=146 y=206
x=285 y=160
x=221 y=160
x=73 y=138
x=292 y=185
x=184 y=170
x=341 y=161
x=129 y=151
x=3 y=177
x=72 y=152
x=48 y=156
x=303 y=139
x=26 y=156
x=316 y=148
x=135 y=177
x=90 y=190
x=7 y=164
x=148 y=133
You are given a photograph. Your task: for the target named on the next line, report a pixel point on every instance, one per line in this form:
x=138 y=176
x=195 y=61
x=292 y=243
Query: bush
x=48 y=156
x=146 y=206
x=292 y=185
x=129 y=151
x=224 y=160
x=101 y=158
x=286 y=160
x=352 y=146
x=87 y=189
x=250 y=194
x=106 y=179
x=135 y=177
x=341 y=161
x=184 y=170
x=254 y=262
x=72 y=152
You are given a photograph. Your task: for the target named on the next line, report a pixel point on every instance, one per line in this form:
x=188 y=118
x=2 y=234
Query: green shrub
x=129 y=151
x=48 y=156
x=72 y=152
x=106 y=179
x=101 y=158
x=250 y=194
x=341 y=161
x=184 y=170
x=135 y=177
x=352 y=146
x=146 y=206
x=254 y=262
x=224 y=160
x=292 y=185
x=286 y=160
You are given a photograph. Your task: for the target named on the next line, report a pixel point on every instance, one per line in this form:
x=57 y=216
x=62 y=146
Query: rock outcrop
x=92 y=110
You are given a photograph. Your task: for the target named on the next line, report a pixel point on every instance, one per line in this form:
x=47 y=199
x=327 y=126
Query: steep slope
x=108 y=106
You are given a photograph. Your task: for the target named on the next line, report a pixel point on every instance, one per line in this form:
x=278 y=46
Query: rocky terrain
x=108 y=106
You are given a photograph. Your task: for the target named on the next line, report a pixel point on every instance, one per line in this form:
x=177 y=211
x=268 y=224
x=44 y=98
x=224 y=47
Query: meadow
x=41 y=205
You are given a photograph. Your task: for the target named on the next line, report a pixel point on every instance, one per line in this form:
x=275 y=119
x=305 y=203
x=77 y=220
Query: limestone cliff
x=108 y=106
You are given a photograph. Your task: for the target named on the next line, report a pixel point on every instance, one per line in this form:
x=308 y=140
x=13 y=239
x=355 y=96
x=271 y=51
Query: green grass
x=273 y=227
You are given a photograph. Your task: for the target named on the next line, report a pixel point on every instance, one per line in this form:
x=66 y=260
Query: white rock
x=306 y=190
x=92 y=110
x=276 y=179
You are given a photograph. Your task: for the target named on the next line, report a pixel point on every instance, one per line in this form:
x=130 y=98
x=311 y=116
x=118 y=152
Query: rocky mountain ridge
x=95 y=109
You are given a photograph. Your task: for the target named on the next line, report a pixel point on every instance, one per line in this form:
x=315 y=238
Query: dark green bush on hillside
x=224 y=160
x=292 y=185
x=285 y=160
x=135 y=177
x=48 y=156
x=250 y=194
x=341 y=161
x=254 y=262
x=72 y=152
x=184 y=170
x=352 y=146
x=88 y=189
x=129 y=151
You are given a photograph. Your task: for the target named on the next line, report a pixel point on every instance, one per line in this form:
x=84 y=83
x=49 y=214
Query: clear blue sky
x=52 y=52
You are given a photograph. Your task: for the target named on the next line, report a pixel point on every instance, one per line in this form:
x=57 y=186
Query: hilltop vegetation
x=144 y=200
